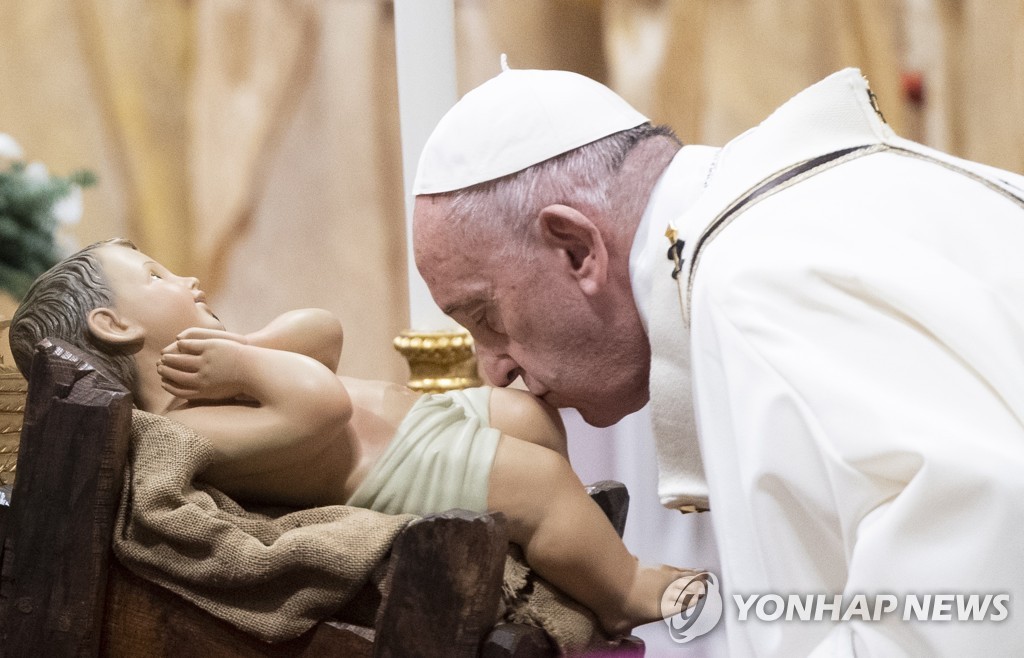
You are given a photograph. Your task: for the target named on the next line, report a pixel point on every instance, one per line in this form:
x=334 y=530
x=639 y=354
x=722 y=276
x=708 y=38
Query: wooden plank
x=613 y=499
x=72 y=454
x=143 y=619
x=518 y=641
x=450 y=563
x=5 y=502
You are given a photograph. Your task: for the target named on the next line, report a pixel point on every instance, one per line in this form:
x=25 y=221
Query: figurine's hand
x=203 y=364
x=199 y=333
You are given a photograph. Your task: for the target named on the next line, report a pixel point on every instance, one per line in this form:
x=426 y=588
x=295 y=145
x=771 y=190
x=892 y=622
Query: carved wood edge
x=518 y=641
x=453 y=561
x=74 y=445
x=144 y=619
x=613 y=499
x=5 y=502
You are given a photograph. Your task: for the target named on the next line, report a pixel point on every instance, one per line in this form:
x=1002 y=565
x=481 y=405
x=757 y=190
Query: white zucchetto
x=517 y=119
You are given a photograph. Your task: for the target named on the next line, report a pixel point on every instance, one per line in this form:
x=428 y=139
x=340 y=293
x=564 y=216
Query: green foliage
x=28 y=225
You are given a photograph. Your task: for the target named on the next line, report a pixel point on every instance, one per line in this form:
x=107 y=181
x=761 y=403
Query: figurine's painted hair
x=57 y=305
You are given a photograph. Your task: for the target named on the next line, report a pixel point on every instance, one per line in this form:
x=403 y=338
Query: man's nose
x=500 y=369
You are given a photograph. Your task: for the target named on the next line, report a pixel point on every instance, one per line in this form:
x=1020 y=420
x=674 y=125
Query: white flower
x=9 y=148
x=36 y=172
x=69 y=209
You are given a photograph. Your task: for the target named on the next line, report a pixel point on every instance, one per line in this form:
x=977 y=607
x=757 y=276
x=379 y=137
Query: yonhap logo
x=960 y=607
x=692 y=606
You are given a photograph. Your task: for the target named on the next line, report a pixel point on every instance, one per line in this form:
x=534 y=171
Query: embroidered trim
x=805 y=170
x=775 y=183
x=1010 y=191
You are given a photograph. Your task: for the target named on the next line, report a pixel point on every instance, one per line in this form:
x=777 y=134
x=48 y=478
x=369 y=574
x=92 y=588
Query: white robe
x=856 y=346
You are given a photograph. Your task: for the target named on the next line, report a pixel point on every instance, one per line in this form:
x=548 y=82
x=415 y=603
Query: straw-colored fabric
x=274 y=577
x=528 y=599
x=277 y=576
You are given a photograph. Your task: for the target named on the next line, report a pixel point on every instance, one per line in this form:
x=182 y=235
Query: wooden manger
x=62 y=593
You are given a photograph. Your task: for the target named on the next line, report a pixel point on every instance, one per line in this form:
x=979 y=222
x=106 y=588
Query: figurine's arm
x=293 y=404
x=315 y=332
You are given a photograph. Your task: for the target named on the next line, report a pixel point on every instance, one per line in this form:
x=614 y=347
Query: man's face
x=149 y=294
x=530 y=319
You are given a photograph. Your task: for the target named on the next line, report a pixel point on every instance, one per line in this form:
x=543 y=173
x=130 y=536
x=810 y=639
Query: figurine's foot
x=683 y=593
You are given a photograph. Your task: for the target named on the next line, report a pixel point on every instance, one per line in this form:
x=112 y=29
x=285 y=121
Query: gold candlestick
x=439 y=361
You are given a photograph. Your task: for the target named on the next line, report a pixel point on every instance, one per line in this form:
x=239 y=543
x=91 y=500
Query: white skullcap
x=515 y=120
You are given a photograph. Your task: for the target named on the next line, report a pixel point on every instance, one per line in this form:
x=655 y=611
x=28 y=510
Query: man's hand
x=203 y=364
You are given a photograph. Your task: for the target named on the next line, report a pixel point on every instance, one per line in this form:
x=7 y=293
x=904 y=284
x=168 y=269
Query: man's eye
x=488 y=320
x=481 y=321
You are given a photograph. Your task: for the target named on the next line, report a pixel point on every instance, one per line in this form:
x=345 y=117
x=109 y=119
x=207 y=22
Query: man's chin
x=605 y=415
x=601 y=417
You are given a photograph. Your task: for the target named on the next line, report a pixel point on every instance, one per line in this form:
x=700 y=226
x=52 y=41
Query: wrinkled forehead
x=433 y=232
x=444 y=223
x=454 y=269
x=430 y=213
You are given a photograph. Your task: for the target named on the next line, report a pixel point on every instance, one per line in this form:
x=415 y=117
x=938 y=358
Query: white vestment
x=855 y=340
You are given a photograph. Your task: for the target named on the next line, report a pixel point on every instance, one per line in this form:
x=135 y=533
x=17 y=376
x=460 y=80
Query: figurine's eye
x=155 y=275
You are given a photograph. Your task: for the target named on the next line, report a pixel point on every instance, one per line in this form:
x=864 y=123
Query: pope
x=827 y=319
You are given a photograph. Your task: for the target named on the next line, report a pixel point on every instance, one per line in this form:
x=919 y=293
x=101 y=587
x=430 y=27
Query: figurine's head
x=109 y=300
x=58 y=306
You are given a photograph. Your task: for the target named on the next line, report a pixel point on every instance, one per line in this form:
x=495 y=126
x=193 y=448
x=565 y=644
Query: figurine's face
x=152 y=297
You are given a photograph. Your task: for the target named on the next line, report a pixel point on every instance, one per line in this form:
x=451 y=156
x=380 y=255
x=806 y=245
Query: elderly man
x=828 y=320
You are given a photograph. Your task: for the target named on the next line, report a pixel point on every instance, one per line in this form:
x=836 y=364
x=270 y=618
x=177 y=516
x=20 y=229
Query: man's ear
x=572 y=233
x=108 y=327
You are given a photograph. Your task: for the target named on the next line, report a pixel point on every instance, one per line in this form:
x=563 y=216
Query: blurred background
x=255 y=143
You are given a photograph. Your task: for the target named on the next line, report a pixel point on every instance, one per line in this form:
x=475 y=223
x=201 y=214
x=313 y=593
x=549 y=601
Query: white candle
x=425 y=59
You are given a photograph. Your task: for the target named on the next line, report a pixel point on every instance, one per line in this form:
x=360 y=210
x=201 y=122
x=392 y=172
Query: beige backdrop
x=255 y=142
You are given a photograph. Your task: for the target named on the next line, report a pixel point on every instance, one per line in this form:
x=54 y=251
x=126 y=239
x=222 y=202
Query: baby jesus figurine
x=288 y=431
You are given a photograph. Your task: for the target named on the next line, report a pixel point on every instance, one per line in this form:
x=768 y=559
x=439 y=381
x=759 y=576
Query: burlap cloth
x=276 y=575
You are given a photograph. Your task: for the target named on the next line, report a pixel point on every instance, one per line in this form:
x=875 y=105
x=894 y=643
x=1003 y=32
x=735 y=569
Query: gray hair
x=57 y=305
x=579 y=178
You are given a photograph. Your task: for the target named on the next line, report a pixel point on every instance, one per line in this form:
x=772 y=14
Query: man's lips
x=543 y=393
x=548 y=397
x=536 y=389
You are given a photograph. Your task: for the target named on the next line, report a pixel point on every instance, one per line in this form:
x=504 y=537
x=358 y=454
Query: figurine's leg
x=519 y=414
x=569 y=541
